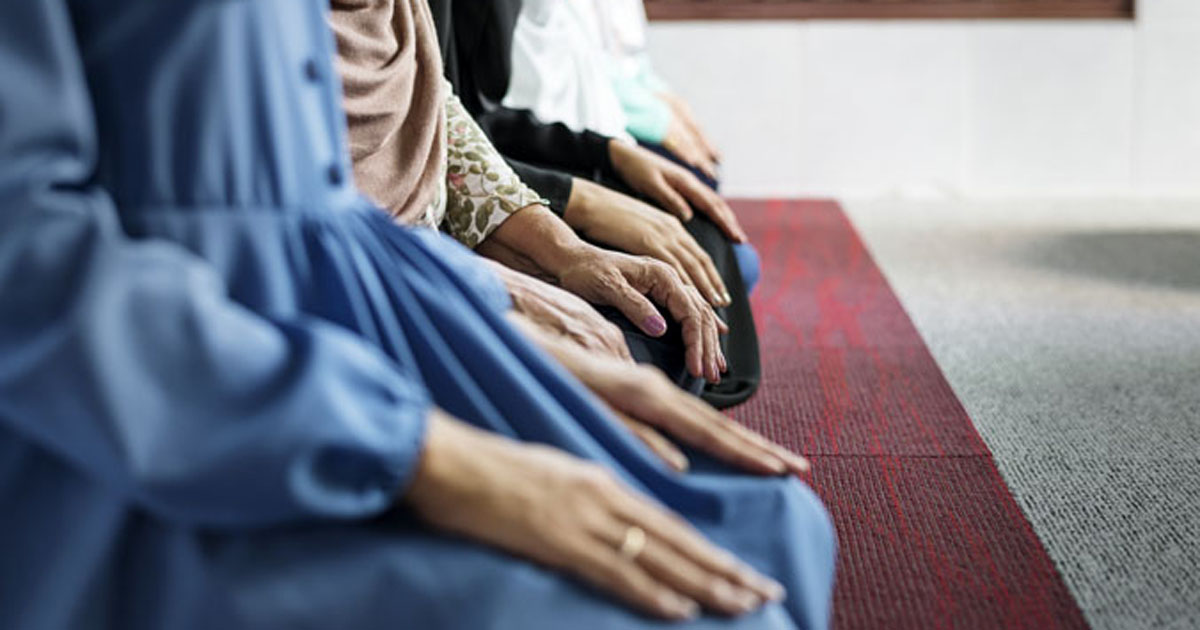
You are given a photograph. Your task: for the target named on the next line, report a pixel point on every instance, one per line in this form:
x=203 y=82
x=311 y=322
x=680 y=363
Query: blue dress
x=216 y=358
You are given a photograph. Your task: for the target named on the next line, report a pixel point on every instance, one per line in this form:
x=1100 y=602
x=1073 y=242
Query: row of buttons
x=312 y=72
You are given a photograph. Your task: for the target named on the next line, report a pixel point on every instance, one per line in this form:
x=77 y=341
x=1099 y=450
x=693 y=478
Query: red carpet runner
x=929 y=535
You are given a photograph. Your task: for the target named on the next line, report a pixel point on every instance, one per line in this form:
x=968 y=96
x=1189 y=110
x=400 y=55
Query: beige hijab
x=392 y=75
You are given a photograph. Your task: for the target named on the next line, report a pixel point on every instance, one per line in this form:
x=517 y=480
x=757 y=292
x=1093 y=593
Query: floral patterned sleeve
x=482 y=190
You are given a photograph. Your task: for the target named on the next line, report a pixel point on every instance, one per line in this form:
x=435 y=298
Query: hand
x=682 y=141
x=645 y=396
x=623 y=282
x=672 y=186
x=647 y=402
x=568 y=514
x=563 y=313
x=575 y=358
x=538 y=242
x=683 y=112
x=606 y=216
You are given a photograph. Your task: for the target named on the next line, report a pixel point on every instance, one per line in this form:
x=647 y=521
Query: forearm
x=482 y=190
x=534 y=240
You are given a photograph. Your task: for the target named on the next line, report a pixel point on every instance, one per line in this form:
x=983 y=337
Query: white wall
x=953 y=109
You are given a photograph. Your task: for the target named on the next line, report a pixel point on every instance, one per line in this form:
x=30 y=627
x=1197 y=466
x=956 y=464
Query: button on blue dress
x=216 y=358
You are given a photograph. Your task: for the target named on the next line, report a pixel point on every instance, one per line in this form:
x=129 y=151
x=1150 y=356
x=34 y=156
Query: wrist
x=581 y=205
x=431 y=467
x=540 y=237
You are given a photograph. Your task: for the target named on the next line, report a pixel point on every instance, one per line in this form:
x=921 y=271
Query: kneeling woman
x=222 y=371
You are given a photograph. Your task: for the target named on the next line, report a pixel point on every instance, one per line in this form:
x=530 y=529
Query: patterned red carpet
x=929 y=535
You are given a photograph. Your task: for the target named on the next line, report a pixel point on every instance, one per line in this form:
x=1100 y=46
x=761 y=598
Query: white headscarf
x=561 y=69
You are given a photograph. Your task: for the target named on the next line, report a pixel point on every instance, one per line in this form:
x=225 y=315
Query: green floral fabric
x=482 y=190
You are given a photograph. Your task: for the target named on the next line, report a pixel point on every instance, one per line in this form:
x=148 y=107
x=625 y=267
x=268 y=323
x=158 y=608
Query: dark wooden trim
x=886 y=9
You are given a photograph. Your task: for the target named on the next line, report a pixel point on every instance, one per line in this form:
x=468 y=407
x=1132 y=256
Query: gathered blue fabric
x=217 y=358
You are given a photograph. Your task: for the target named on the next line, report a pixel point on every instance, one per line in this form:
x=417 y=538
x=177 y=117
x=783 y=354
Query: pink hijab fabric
x=391 y=72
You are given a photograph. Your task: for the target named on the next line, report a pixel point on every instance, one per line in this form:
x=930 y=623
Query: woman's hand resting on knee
x=537 y=242
x=647 y=402
x=672 y=186
x=566 y=513
x=609 y=217
x=562 y=312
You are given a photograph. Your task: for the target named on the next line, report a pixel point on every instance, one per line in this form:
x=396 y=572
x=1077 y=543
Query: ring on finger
x=633 y=543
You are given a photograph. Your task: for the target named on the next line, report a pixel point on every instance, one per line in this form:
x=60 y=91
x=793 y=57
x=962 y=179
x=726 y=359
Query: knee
x=748 y=264
x=815 y=526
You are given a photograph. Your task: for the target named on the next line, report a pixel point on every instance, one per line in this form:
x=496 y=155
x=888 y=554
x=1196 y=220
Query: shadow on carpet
x=1165 y=258
x=929 y=536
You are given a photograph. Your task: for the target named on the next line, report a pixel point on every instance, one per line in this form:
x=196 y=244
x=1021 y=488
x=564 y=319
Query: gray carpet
x=1071 y=332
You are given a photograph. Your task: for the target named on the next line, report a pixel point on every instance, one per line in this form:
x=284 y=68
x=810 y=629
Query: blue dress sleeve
x=126 y=360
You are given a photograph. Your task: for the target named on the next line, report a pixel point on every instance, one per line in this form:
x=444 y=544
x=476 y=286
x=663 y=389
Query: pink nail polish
x=655 y=325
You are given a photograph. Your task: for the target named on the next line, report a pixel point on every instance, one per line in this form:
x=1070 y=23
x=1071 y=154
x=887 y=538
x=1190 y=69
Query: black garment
x=740 y=346
x=554 y=186
x=745 y=371
x=476 y=41
x=667 y=153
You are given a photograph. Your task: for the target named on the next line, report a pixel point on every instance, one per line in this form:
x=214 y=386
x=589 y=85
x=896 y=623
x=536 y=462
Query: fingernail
x=679 y=462
x=747 y=600
x=655 y=325
x=775 y=591
x=728 y=298
x=680 y=607
x=778 y=465
x=726 y=596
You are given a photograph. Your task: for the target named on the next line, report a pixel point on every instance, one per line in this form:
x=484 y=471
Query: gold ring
x=633 y=543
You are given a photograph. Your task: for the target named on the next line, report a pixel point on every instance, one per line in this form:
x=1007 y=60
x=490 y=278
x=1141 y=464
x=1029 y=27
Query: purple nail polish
x=655 y=325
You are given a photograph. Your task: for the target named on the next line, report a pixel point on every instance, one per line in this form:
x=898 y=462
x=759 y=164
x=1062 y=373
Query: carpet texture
x=930 y=536
x=1070 y=330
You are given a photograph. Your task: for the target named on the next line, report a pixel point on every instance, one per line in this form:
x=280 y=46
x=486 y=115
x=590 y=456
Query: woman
x=656 y=116
x=418 y=154
x=476 y=40
x=220 y=368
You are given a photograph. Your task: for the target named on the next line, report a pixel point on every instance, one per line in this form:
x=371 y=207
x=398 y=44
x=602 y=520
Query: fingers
x=638 y=309
x=709 y=148
x=692 y=152
x=658 y=444
x=702 y=258
x=702 y=138
x=700 y=158
x=694 y=268
x=684 y=112
x=727 y=440
x=682 y=575
x=655 y=401
x=671 y=532
x=708 y=202
x=696 y=318
x=613 y=340
x=708 y=588
x=665 y=253
x=602 y=340
x=706 y=429
x=670 y=199
x=795 y=463
x=598 y=563
x=712 y=342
